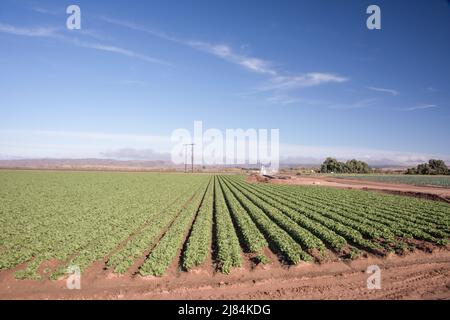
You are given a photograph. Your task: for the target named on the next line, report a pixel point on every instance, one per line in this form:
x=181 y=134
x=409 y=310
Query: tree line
x=331 y=165
x=434 y=166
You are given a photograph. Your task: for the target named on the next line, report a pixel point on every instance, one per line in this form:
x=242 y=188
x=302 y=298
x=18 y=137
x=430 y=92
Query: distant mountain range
x=134 y=165
x=88 y=164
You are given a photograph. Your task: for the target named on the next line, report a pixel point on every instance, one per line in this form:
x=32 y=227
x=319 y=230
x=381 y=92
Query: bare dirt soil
x=427 y=192
x=418 y=275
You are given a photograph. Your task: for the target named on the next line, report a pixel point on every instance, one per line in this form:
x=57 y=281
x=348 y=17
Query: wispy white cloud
x=301 y=81
x=390 y=91
x=61 y=11
x=46 y=11
x=53 y=33
x=219 y=50
x=133 y=26
x=226 y=52
x=281 y=99
x=419 y=107
x=93 y=34
x=360 y=104
x=28 y=32
x=278 y=80
x=122 y=51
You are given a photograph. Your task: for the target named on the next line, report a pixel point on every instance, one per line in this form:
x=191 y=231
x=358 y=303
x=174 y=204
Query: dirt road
x=416 y=276
x=428 y=192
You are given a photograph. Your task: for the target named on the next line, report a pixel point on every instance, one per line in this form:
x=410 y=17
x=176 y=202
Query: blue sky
x=138 y=70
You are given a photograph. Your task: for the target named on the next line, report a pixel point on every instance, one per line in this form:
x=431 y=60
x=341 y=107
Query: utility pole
x=185 y=157
x=192 y=156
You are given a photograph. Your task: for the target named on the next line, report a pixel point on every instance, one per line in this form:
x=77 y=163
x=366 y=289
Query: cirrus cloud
x=390 y=91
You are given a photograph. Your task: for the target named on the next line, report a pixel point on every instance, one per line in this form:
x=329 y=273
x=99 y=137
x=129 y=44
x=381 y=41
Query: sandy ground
x=417 y=275
x=429 y=192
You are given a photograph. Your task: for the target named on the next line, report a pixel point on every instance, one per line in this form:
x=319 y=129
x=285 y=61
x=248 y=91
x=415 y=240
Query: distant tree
x=437 y=166
x=351 y=166
x=365 y=167
x=356 y=166
x=423 y=168
x=331 y=165
x=411 y=171
x=434 y=166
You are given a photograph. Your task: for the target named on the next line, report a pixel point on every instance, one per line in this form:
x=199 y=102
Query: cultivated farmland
x=420 y=180
x=144 y=224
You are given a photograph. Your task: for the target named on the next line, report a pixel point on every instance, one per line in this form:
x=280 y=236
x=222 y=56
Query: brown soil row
x=418 y=275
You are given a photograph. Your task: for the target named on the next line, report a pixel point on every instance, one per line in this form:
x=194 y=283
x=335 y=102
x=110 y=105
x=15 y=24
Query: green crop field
x=144 y=223
x=420 y=180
